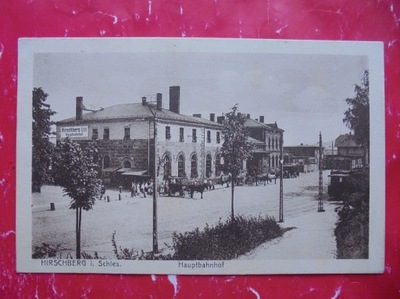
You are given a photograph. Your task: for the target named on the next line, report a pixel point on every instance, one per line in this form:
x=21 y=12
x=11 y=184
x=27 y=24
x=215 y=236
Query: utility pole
x=320 y=186
x=155 y=233
x=281 y=180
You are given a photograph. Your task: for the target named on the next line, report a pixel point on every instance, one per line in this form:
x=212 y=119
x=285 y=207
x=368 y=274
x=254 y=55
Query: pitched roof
x=346 y=140
x=251 y=123
x=137 y=110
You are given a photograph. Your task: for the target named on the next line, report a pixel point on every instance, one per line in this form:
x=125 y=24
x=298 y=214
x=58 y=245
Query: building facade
x=136 y=140
x=305 y=156
x=132 y=137
x=349 y=154
x=268 y=141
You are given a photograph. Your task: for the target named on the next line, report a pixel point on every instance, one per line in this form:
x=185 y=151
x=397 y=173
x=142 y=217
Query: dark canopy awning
x=135 y=172
x=111 y=169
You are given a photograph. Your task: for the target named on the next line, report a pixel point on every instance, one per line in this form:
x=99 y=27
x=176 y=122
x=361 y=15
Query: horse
x=197 y=188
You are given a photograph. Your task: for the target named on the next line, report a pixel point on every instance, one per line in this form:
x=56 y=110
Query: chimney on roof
x=159 y=101
x=220 y=119
x=79 y=107
x=212 y=117
x=197 y=115
x=144 y=101
x=174 y=99
x=261 y=118
x=248 y=115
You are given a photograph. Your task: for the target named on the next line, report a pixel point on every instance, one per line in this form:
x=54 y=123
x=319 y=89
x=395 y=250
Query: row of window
x=274 y=141
x=181 y=165
x=274 y=162
x=194 y=135
x=106 y=133
x=127 y=134
x=193 y=166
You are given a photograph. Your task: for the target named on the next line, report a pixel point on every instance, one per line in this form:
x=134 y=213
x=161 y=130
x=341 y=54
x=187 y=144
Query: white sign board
x=79 y=131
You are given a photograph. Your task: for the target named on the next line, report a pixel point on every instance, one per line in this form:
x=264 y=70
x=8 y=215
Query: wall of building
x=119 y=151
x=351 y=151
x=173 y=147
x=139 y=129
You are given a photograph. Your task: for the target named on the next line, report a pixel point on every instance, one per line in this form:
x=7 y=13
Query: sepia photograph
x=200 y=156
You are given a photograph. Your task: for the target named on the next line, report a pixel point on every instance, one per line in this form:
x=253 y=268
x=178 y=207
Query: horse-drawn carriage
x=291 y=170
x=180 y=187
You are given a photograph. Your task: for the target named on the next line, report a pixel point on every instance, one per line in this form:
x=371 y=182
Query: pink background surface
x=266 y=19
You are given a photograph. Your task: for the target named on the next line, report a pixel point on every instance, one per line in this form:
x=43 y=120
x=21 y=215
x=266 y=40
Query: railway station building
x=128 y=134
x=131 y=137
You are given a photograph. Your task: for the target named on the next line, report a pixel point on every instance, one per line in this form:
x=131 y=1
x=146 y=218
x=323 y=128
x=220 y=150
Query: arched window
x=276 y=142
x=106 y=161
x=193 y=166
x=167 y=166
x=181 y=166
x=269 y=142
x=277 y=161
x=127 y=164
x=208 y=165
x=218 y=165
x=272 y=162
x=273 y=142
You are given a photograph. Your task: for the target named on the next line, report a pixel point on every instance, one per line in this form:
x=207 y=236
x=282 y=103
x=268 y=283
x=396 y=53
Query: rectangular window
x=106 y=134
x=127 y=133
x=181 y=135
x=194 y=135
x=168 y=133
x=95 y=134
x=208 y=136
x=218 y=137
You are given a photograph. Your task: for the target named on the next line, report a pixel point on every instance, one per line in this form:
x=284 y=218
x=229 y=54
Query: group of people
x=143 y=187
x=146 y=187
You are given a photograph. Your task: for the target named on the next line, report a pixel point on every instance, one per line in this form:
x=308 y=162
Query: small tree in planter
x=75 y=170
x=235 y=149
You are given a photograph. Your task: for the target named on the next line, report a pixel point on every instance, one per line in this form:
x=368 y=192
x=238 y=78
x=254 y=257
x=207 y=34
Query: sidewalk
x=312 y=238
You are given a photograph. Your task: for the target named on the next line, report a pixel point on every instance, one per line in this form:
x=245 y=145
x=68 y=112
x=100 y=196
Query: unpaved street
x=131 y=218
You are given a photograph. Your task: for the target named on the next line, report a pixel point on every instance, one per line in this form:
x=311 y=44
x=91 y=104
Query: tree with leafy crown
x=235 y=148
x=356 y=117
x=75 y=170
x=41 y=145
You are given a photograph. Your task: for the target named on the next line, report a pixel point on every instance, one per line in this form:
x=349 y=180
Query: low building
x=349 y=155
x=305 y=156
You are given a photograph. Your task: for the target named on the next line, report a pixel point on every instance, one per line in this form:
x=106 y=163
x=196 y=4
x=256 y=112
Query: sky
x=304 y=93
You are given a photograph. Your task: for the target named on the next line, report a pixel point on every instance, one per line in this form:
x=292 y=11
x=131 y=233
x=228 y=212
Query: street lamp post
x=320 y=181
x=155 y=168
x=281 y=181
x=155 y=238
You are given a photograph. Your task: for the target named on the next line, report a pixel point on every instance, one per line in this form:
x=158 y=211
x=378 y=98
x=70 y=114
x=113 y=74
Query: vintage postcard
x=200 y=156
